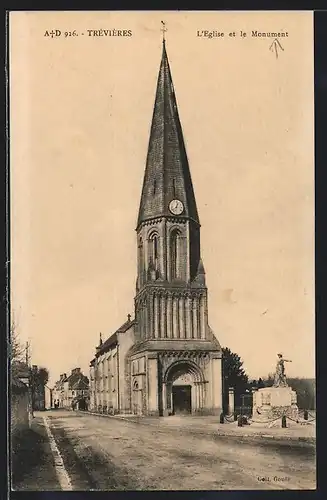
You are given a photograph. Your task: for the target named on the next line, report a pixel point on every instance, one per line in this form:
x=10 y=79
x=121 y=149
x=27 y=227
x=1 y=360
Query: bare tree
x=17 y=352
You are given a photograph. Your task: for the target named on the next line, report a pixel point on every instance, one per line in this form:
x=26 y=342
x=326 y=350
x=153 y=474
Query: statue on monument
x=270 y=403
x=280 y=377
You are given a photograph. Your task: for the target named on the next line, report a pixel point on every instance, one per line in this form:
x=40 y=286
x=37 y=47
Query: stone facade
x=71 y=391
x=167 y=360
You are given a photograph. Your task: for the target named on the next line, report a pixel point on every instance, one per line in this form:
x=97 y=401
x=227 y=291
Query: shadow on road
x=88 y=469
x=31 y=460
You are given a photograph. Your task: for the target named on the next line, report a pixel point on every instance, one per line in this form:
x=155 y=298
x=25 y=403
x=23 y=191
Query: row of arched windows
x=153 y=253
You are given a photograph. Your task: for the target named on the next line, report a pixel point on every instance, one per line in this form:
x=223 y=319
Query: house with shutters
x=72 y=391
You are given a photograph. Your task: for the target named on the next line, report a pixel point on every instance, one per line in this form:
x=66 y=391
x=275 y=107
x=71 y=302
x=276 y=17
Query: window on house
x=154 y=187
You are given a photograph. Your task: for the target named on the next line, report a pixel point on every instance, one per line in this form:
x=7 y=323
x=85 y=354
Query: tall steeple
x=171 y=293
x=167 y=174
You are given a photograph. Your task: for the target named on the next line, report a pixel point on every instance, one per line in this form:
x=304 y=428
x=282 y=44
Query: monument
x=278 y=400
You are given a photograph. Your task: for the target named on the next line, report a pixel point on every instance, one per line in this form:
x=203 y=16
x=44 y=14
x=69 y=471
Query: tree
x=38 y=379
x=16 y=351
x=233 y=376
x=269 y=380
x=257 y=384
x=304 y=387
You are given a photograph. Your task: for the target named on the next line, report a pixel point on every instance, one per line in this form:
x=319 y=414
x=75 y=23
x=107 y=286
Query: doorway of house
x=182 y=403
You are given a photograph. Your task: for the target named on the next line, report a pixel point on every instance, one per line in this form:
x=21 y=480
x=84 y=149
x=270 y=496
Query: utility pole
x=30 y=396
x=27 y=354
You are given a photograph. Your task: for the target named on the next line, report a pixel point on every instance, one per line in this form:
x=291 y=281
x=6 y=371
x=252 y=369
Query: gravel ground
x=114 y=454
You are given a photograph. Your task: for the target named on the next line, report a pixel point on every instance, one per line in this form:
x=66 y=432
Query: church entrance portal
x=182 y=403
x=183 y=388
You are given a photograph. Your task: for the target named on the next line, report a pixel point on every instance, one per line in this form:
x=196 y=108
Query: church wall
x=213 y=387
x=138 y=385
x=152 y=386
x=125 y=342
x=104 y=382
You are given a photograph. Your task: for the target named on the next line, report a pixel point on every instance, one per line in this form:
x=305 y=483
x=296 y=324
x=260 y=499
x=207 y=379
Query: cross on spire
x=163 y=29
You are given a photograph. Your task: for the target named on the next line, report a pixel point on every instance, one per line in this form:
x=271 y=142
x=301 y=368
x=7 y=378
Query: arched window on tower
x=154 y=255
x=141 y=258
x=174 y=254
x=155 y=249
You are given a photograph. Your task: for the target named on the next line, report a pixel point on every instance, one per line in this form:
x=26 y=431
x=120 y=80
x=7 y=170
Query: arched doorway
x=137 y=399
x=82 y=404
x=183 y=390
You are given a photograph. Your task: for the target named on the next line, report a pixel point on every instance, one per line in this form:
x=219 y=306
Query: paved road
x=112 y=454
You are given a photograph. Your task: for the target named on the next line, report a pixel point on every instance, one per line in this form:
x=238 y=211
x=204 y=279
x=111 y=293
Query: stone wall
x=19 y=419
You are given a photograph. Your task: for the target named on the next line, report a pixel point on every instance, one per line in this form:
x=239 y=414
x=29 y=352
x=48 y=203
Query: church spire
x=163 y=29
x=167 y=175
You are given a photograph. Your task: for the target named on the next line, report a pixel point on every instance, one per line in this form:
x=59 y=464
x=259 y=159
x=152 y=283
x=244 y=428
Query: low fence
x=104 y=409
x=243 y=415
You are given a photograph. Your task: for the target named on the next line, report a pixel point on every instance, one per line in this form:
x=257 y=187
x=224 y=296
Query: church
x=166 y=360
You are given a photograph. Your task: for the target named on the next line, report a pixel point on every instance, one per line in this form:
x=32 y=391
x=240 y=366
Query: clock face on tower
x=176 y=207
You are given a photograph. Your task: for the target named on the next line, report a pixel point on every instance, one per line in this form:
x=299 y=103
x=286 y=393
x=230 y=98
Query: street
x=103 y=453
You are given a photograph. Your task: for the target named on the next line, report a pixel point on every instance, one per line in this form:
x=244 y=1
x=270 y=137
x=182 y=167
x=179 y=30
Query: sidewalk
x=210 y=426
x=32 y=460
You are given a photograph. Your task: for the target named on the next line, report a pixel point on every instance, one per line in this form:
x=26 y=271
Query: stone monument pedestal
x=272 y=402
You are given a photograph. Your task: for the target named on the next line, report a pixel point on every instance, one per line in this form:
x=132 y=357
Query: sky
x=80 y=115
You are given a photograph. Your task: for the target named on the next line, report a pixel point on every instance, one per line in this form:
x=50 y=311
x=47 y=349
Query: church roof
x=167 y=174
x=113 y=339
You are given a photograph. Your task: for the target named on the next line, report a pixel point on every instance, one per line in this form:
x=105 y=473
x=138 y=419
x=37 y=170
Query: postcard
x=162 y=250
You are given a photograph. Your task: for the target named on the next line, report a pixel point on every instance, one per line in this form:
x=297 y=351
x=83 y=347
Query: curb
x=310 y=440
